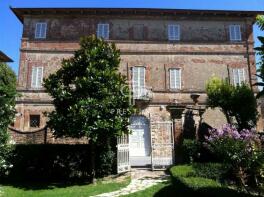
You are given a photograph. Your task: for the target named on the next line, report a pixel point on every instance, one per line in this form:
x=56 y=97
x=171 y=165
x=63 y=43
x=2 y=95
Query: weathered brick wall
x=199 y=68
x=69 y=27
x=42 y=137
x=203 y=51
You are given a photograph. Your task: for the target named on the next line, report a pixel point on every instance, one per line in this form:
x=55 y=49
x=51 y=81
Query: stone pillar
x=178 y=130
x=196 y=118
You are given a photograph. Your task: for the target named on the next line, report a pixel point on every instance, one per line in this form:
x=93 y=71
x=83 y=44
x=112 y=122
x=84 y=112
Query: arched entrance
x=139 y=141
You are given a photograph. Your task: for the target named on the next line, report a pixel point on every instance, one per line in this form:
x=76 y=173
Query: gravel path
x=141 y=180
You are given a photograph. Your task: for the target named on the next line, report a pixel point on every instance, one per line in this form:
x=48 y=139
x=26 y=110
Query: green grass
x=199 y=182
x=185 y=182
x=182 y=171
x=34 y=190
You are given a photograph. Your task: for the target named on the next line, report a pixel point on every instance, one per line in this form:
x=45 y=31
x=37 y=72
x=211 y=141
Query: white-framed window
x=173 y=32
x=103 y=31
x=40 y=30
x=235 y=33
x=239 y=76
x=36 y=77
x=175 y=78
x=138 y=81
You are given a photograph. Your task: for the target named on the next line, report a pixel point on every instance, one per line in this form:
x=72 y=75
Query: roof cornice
x=4 y=57
x=21 y=12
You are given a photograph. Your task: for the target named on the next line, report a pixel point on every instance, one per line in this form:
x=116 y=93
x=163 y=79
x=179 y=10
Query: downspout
x=228 y=74
x=248 y=58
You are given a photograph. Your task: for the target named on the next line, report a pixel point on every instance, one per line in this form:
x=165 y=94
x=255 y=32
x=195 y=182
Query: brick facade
x=204 y=50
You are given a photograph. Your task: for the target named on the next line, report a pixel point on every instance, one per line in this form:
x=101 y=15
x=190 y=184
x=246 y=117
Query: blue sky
x=11 y=28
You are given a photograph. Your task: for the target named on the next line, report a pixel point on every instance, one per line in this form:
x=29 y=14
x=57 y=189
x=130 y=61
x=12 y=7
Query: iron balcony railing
x=142 y=93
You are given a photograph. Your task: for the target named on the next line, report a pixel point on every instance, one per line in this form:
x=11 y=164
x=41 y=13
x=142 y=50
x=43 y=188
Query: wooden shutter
x=106 y=31
x=37 y=30
x=103 y=31
x=142 y=76
x=43 y=30
x=235 y=32
x=174 y=32
x=40 y=30
x=172 y=79
x=178 y=78
x=39 y=76
x=235 y=77
x=238 y=32
x=239 y=76
x=34 y=77
x=175 y=78
x=99 y=26
x=232 y=32
x=138 y=81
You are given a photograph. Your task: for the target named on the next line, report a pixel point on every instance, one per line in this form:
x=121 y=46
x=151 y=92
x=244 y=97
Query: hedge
x=55 y=162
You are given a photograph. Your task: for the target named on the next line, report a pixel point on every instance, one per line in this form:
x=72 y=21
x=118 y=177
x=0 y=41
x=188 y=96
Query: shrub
x=187 y=174
x=195 y=151
x=191 y=150
x=57 y=162
x=7 y=113
x=242 y=151
x=216 y=171
x=106 y=159
x=6 y=153
x=182 y=171
x=237 y=102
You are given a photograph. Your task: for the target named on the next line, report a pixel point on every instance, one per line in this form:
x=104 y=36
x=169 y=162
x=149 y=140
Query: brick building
x=167 y=56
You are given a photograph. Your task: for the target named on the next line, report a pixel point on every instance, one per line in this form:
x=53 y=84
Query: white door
x=139 y=140
x=137 y=143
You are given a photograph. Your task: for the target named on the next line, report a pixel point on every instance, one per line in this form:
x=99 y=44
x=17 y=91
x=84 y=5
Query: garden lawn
x=61 y=190
x=185 y=182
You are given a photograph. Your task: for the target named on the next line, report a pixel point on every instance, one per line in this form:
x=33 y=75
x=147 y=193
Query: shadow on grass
x=30 y=185
x=179 y=189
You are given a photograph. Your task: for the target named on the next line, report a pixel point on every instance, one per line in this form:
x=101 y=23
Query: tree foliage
x=242 y=151
x=7 y=95
x=260 y=22
x=235 y=101
x=260 y=52
x=7 y=113
x=91 y=98
x=88 y=91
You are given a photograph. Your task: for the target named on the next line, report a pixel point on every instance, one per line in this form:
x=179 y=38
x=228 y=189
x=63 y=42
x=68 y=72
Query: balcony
x=142 y=93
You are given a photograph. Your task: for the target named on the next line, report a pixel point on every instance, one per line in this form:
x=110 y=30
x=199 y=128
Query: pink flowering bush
x=242 y=150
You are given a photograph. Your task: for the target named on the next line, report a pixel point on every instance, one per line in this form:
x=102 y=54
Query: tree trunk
x=92 y=145
x=227 y=117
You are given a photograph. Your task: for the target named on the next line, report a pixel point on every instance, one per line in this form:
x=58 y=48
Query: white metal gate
x=123 y=164
x=162 y=154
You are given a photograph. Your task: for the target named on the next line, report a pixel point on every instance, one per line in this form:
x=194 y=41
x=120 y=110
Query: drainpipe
x=228 y=74
x=248 y=58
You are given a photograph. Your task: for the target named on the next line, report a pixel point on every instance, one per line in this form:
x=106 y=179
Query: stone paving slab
x=141 y=180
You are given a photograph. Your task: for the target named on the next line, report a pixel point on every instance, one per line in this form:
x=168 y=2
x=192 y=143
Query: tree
x=260 y=52
x=7 y=95
x=234 y=101
x=91 y=98
x=260 y=22
x=7 y=112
